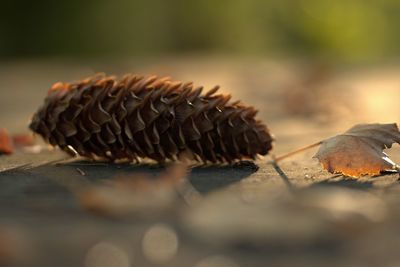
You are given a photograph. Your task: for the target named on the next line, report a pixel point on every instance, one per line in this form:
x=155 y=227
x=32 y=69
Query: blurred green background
x=344 y=30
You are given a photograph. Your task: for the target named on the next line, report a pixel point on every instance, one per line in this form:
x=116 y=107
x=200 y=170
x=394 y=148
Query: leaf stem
x=299 y=150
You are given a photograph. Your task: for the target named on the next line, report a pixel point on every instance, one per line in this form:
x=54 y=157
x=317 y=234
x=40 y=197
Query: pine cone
x=135 y=117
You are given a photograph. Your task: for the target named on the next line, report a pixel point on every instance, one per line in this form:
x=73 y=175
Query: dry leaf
x=6 y=146
x=359 y=151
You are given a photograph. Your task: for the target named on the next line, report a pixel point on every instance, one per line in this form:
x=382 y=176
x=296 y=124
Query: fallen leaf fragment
x=138 y=194
x=359 y=151
x=6 y=146
x=323 y=215
x=23 y=140
x=17 y=246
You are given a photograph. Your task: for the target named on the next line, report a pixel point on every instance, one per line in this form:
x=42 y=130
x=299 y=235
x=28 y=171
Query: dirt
x=240 y=215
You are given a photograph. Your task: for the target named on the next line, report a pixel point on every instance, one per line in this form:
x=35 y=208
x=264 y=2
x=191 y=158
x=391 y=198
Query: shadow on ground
x=50 y=178
x=343 y=182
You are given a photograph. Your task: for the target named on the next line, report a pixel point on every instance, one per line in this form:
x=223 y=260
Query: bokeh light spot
x=160 y=244
x=105 y=254
x=217 y=261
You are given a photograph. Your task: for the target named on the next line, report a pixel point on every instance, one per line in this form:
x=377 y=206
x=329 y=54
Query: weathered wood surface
x=245 y=217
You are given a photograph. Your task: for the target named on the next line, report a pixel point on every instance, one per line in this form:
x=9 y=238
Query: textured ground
x=223 y=216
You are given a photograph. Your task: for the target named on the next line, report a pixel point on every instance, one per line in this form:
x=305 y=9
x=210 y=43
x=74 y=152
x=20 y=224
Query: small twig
x=31 y=165
x=81 y=172
x=21 y=167
x=82 y=164
x=279 y=158
x=284 y=177
x=397 y=168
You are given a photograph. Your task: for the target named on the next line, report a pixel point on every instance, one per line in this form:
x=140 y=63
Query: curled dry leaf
x=6 y=146
x=138 y=194
x=359 y=151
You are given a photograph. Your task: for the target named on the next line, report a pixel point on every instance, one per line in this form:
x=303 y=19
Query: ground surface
x=224 y=216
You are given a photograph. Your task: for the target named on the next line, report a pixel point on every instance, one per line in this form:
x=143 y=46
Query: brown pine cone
x=135 y=117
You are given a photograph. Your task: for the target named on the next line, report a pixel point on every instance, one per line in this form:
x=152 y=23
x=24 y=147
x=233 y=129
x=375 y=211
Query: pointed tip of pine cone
x=134 y=117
